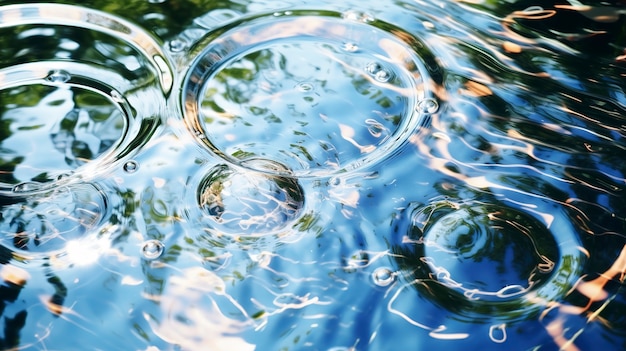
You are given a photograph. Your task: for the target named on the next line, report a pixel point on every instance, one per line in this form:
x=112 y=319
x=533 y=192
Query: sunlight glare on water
x=312 y=175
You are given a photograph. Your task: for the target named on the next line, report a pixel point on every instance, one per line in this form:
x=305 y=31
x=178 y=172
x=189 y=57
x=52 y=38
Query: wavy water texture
x=424 y=175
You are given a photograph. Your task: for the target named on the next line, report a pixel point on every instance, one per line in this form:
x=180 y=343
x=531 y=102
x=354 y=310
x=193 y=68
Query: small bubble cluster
x=379 y=72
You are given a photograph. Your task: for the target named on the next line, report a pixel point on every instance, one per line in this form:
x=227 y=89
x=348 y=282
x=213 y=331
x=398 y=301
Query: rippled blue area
x=312 y=175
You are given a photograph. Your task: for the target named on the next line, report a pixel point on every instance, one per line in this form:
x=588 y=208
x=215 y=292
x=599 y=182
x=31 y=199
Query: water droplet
x=152 y=249
x=58 y=76
x=350 y=47
x=156 y=1
x=428 y=106
x=383 y=276
x=177 y=45
x=131 y=166
x=26 y=187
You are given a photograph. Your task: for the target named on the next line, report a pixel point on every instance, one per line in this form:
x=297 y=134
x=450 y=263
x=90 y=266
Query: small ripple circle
x=239 y=203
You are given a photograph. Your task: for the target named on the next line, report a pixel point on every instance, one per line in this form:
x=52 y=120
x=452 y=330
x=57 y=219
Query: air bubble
x=177 y=45
x=152 y=249
x=383 y=276
x=131 y=166
x=428 y=106
x=58 y=76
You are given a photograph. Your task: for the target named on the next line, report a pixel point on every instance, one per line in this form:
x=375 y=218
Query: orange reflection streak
x=556 y=330
x=56 y=309
x=532 y=13
x=477 y=89
x=511 y=47
x=604 y=14
x=442 y=162
x=14 y=275
x=594 y=289
x=64 y=313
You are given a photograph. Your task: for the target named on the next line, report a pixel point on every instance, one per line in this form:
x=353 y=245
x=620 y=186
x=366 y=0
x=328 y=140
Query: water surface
x=255 y=175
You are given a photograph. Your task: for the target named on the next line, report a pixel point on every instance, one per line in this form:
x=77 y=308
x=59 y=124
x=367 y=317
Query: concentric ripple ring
x=483 y=260
x=78 y=104
x=318 y=94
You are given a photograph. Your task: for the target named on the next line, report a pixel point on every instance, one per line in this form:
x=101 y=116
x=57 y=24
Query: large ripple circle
x=318 y=94
x=487 y=261
x=92 y=95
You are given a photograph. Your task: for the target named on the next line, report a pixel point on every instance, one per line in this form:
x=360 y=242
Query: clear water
x=310 y=175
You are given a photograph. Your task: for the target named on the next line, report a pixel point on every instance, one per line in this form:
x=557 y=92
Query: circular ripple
x=44 y=224
x=73 y=92
x=320 y=95
x=484 y=260
x=246 y=204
